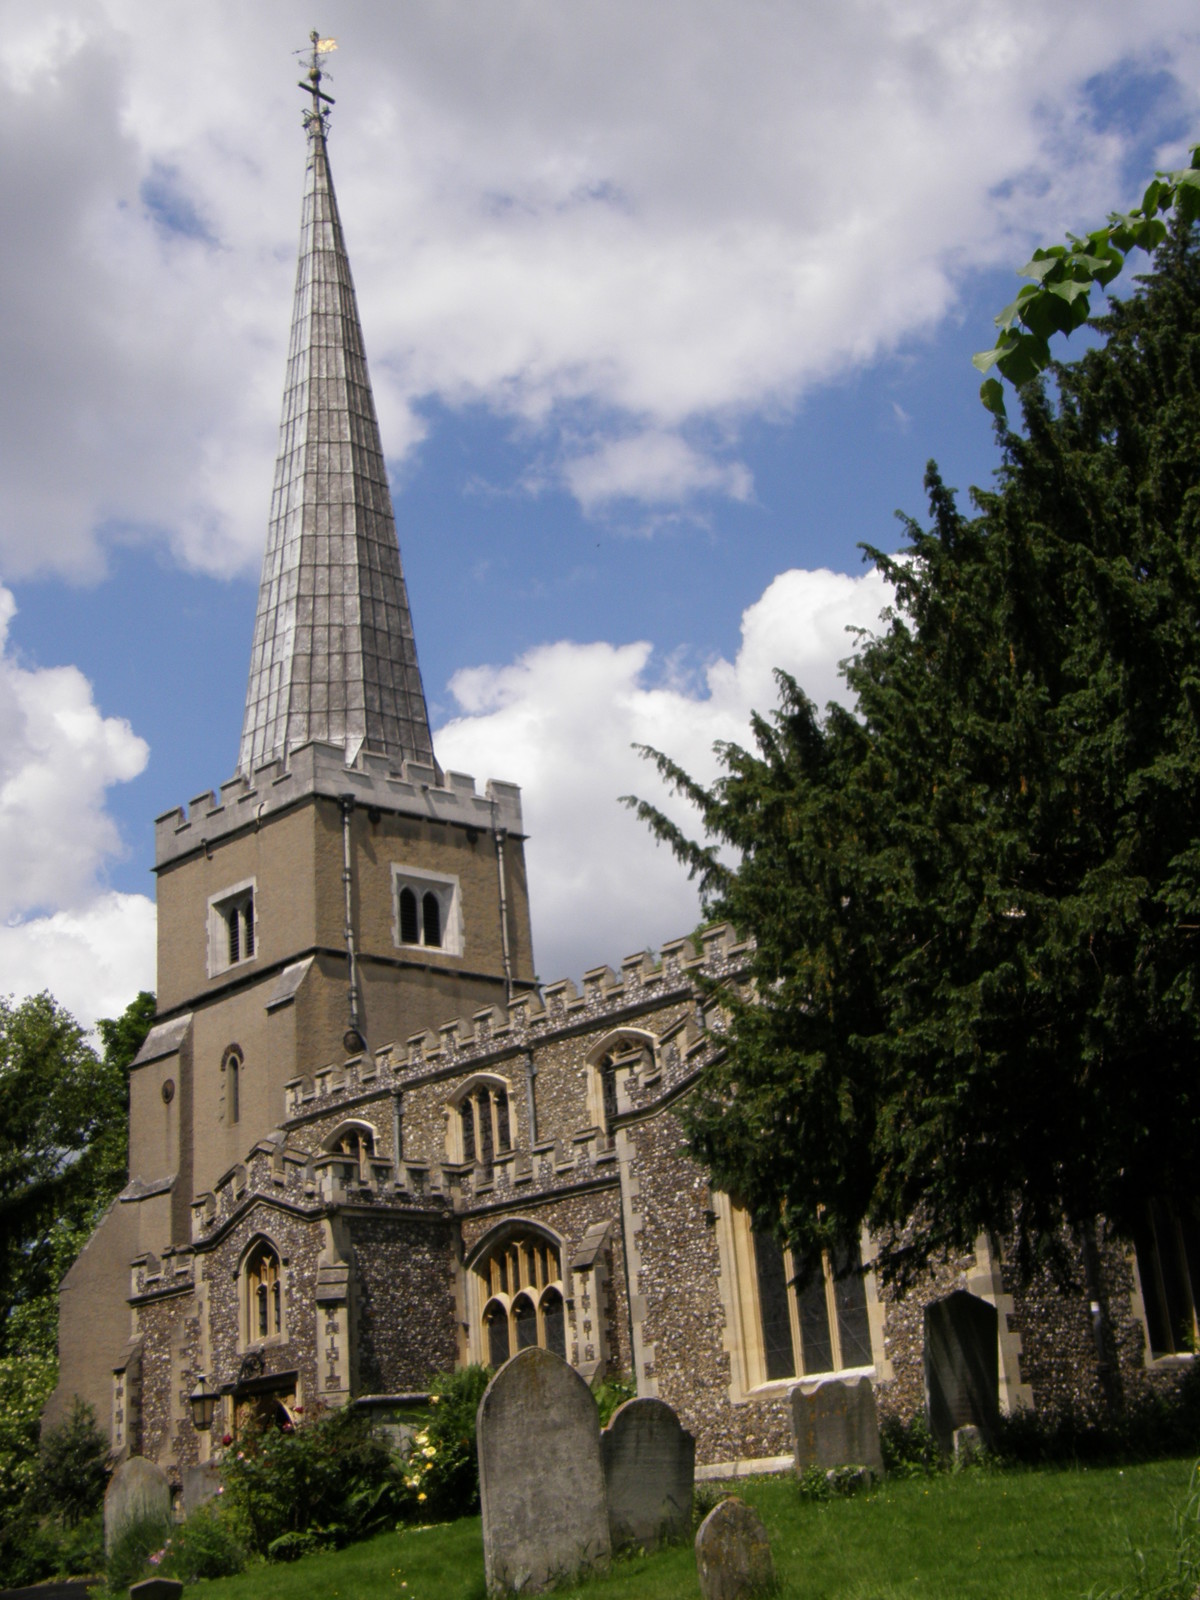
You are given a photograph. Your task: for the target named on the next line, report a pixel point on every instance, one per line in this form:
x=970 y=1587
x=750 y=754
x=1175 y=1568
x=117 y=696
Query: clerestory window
x=480 y=1126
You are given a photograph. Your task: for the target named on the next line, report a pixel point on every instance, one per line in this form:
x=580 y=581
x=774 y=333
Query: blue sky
x=666 y=308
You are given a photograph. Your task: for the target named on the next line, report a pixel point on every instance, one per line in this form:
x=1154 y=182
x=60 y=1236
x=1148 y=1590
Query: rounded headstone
x=136 y=1491
x=733 y=1554
x=649 y=1471
x=541 y=1482
x=156 y=1589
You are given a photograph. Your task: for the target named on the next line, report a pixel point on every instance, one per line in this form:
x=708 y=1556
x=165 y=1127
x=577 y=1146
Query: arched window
x=410 y=928
x=521 y=1291
x=232 y=1067
x=627 y=1051
x=355 y=1140
x=263 y=1290
x=481 y=1123
x=431 y=919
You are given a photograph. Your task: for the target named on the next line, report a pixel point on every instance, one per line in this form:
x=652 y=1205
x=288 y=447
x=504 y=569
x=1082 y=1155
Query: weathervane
x=318 y=116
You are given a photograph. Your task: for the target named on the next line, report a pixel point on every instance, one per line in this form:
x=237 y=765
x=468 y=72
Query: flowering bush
x=440 y=1469
x=331 y=1478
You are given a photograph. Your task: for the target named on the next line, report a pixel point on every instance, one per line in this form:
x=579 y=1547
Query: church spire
x=334 y=657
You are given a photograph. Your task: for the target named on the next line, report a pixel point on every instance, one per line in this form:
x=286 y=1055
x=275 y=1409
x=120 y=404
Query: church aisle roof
x=334 y=658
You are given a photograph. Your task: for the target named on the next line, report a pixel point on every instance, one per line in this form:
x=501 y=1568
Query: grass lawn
x=1016 y=1535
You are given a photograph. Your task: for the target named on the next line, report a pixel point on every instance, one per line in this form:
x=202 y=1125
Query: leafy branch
x=1058 y=299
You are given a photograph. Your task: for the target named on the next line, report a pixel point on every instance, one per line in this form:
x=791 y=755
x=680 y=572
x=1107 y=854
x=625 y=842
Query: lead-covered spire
x=334 y=657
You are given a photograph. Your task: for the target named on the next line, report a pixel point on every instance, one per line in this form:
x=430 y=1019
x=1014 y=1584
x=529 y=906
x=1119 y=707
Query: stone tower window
x=480 y=1128
x=520 y=1287
x=262 y=1293
x=356 y=1141
x=232 y=933
x=427 y=911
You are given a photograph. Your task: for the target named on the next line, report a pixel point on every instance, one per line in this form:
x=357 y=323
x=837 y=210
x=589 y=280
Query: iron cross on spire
x=318 y=116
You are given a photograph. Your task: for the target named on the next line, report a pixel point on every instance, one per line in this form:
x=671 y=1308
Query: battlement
x=379 y=782
x=495 y=1031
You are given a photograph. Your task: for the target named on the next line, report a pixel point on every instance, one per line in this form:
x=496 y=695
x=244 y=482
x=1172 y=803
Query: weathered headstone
x=156 y=1589
x=649 y=1473
x=137 y=1489
x=835 y=1424
x=733 y=1555
x=962 y=1367
x=968 y=1445
x=541 y=1481
x=200 y=1483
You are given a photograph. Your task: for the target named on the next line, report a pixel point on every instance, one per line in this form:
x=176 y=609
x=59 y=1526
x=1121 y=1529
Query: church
x=366 y=1146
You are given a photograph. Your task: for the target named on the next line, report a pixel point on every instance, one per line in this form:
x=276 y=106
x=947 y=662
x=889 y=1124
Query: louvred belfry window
x=523 y=1298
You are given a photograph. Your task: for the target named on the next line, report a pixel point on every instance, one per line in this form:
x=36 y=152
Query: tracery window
x=263 y=1289
x=1167 y=1246
x=481 y=1120
x=523 y=1300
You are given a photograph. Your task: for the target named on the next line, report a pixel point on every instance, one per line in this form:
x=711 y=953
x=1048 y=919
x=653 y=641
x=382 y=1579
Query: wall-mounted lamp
x=203 y=1402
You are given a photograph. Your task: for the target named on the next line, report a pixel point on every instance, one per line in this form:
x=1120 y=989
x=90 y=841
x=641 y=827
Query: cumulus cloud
x=563 y=719
x=611 y=223
x=59 y=928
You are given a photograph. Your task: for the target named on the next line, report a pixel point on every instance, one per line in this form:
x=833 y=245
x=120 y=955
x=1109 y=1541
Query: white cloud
x=61 y=929
x=655 y=467
x=93 y=960
x=563 y=718
x=610 y=222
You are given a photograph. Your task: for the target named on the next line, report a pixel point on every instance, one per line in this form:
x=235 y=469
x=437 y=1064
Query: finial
x=318 y=117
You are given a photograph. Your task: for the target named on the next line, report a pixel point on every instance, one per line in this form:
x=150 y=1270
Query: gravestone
x=200 y=1483
x=156 y=1589
x=962 y=1367
x=968 y=1445
x=541 y=1481
x=649 y=1474
x=733 y=1555
x=137 y=1489
x=835 y=1424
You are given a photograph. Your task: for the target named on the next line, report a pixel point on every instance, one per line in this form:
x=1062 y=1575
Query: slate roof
x=334 y=657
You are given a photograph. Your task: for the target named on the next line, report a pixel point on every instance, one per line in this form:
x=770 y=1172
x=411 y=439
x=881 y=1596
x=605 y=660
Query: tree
x=976 y=901
x=63 y=1133
x=1058 y=299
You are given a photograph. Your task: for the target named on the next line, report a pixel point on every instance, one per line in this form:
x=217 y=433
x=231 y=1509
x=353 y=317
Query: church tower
x=340 y=893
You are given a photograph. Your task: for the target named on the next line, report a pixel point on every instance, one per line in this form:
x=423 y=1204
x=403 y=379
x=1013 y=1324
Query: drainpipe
x=531 y=1098
x=498 y=833
x=353 y=1040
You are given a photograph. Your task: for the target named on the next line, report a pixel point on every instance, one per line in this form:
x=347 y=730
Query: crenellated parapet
x=409 y=787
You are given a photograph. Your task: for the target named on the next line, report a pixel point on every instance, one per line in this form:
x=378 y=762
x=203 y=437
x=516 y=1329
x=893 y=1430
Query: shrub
x=332 y=1478
x=72 y=1468
x=440 y=1468
x=908 y=1449
x=207 y=1545
x=610 y=1393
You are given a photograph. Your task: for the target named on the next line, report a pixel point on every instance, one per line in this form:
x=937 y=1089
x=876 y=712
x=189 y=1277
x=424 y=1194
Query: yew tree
x=976 y=900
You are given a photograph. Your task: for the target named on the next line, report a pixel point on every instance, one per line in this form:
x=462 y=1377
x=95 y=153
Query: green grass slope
x=1014 y=1535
